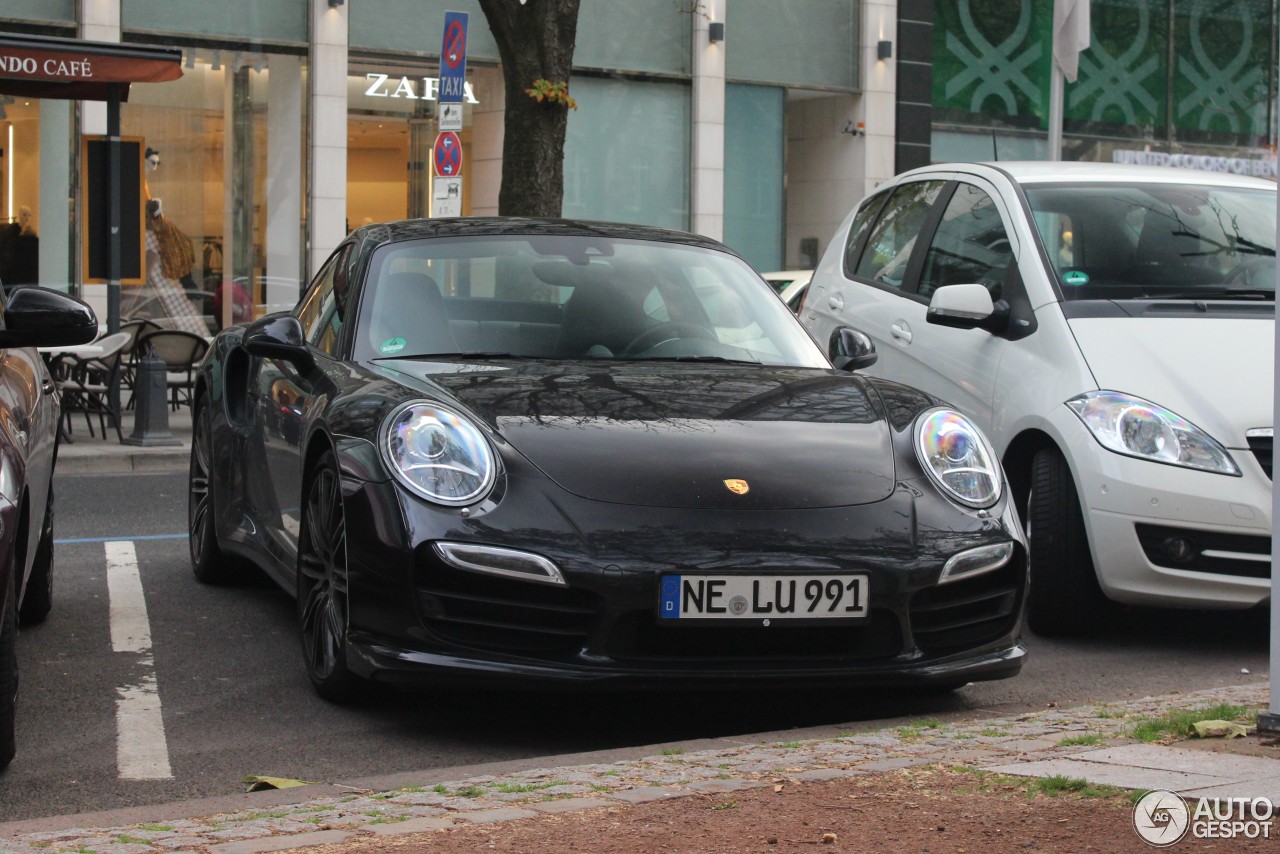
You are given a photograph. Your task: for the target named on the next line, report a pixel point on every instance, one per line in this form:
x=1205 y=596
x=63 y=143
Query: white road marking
x=142 y=753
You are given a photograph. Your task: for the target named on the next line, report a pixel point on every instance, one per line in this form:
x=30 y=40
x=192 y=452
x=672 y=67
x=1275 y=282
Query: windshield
x=573 y=297
x=1141 y=241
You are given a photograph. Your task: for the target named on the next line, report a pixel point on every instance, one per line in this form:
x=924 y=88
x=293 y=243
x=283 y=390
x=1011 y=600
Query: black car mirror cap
x=967 y=307
x=851 y=350
x=40 y=317
x=279 y=336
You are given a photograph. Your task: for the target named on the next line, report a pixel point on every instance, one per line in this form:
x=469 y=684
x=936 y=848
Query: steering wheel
x=663 y=332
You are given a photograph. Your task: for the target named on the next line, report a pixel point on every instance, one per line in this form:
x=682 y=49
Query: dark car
x=582 y=454
x=29 y=317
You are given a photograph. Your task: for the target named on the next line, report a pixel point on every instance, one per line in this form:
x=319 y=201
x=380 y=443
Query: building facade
x=757 y=122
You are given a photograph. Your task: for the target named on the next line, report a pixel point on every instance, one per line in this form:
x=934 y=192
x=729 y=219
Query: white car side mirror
x=961 y=306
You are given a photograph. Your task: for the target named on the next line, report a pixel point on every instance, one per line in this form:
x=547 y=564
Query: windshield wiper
x=1213 y=293
x=1248 y=247
x=699 y=359
x=463 y=354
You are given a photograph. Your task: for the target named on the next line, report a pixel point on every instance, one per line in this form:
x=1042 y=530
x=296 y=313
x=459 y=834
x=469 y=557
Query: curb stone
x=1001 y=741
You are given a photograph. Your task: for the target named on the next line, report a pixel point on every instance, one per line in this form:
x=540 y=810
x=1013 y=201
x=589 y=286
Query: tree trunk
x=535 y=42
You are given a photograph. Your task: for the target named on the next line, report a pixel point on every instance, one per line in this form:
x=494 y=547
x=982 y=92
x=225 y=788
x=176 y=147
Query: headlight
x=958 y=457
x=1138 y=428
x=438 y=454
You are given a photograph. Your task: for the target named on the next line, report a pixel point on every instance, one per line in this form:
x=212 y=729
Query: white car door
x=865 y=290
x=972 y=243
x=884 y=289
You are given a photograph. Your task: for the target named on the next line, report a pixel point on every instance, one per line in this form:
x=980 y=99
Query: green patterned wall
x=1186 y=70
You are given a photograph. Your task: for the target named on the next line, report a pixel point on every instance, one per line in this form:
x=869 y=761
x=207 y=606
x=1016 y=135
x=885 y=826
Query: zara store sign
x=411 y=88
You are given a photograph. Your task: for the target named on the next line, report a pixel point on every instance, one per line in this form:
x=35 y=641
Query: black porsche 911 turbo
x=581 y=454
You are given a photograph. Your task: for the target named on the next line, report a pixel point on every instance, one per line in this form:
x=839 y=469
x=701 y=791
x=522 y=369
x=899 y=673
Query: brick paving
x=1008 y=743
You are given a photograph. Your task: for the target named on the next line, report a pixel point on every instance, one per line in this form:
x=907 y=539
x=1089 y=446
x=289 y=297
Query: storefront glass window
x=207 y=137
x=753 y=156
x=19 y=191
x=391 y=128
x=626 y=155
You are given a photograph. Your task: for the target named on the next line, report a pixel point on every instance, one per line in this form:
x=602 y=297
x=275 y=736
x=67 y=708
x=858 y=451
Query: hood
x=671 y=435
x=1216 y=372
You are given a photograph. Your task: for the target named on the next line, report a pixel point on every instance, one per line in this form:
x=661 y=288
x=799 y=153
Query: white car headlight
x=438 y=454
x=1138 y=428
x=958 y=458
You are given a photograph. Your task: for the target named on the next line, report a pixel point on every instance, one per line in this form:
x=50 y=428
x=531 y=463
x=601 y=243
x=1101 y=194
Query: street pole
x=1056 y=87
x=115 y=245
x=1269 y=723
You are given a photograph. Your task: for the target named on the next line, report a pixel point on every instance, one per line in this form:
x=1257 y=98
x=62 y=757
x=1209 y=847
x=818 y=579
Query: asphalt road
x=226 y=670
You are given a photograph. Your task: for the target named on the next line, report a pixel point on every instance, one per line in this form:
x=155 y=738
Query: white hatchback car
x=1112 y=329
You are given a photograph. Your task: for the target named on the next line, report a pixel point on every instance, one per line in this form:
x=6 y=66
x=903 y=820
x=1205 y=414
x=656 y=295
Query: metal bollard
x=151 y=404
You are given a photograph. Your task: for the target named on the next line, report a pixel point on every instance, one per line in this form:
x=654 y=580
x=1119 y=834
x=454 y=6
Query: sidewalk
x=96 y=454
x=1089 y=742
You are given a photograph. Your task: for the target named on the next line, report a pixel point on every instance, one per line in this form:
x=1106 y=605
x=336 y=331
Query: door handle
x=901 y=331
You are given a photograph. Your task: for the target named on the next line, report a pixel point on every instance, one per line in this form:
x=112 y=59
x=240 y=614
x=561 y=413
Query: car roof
x=1029 y=172
x=412 y=229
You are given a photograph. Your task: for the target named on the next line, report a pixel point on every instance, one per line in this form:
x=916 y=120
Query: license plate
x=763 y=597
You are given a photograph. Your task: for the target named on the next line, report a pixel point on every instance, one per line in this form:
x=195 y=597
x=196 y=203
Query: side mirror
x=39 y=317
x=279 y=336
x=967 y=307
x=850 y=350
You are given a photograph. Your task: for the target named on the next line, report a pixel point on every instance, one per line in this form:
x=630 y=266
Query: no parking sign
x=447 y=155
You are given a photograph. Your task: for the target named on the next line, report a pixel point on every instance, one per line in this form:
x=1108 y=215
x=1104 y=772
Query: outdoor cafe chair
x=84 y=384
x=181 y=352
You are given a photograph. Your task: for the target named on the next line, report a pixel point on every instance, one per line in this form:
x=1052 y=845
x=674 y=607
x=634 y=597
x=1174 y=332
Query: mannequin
x=152 y=158
x=169 y=258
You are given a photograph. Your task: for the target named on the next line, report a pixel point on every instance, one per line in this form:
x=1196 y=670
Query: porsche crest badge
x=736 y=486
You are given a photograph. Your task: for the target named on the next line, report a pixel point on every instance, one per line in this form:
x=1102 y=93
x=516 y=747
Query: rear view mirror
x=39 y=317
x=850 y=350
x=279 y=336
x=967 y=307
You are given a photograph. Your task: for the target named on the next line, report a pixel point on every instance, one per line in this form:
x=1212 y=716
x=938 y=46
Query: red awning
x=46 y=67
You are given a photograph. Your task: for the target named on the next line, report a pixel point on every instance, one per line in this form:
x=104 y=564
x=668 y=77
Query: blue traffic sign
x=448 y=155
x=453 y=58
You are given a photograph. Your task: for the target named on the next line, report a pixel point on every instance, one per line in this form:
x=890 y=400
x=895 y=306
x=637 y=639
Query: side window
x=894 y=236
x=970 y=245
x=861 y=222
x=323 y=310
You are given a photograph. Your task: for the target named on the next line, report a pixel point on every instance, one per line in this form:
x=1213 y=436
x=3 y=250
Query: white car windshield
x=573 y=297
x=1144 y=241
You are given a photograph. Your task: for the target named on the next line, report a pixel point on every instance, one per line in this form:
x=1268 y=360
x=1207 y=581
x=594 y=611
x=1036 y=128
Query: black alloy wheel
x=322 y=583
x=1064 y=598
x=208 y=562
x=38 y=600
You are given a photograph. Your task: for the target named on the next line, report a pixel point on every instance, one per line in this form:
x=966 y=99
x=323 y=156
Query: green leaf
x=1218 y=729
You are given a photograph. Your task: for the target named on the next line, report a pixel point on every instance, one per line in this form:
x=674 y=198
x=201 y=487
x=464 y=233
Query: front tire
x=208 y=562
x=1064 y=599
x=38 y=600
x=322 y=584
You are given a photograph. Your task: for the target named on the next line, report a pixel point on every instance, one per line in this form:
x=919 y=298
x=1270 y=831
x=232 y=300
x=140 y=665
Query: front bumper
x=414 y=617
x=1129 y=502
